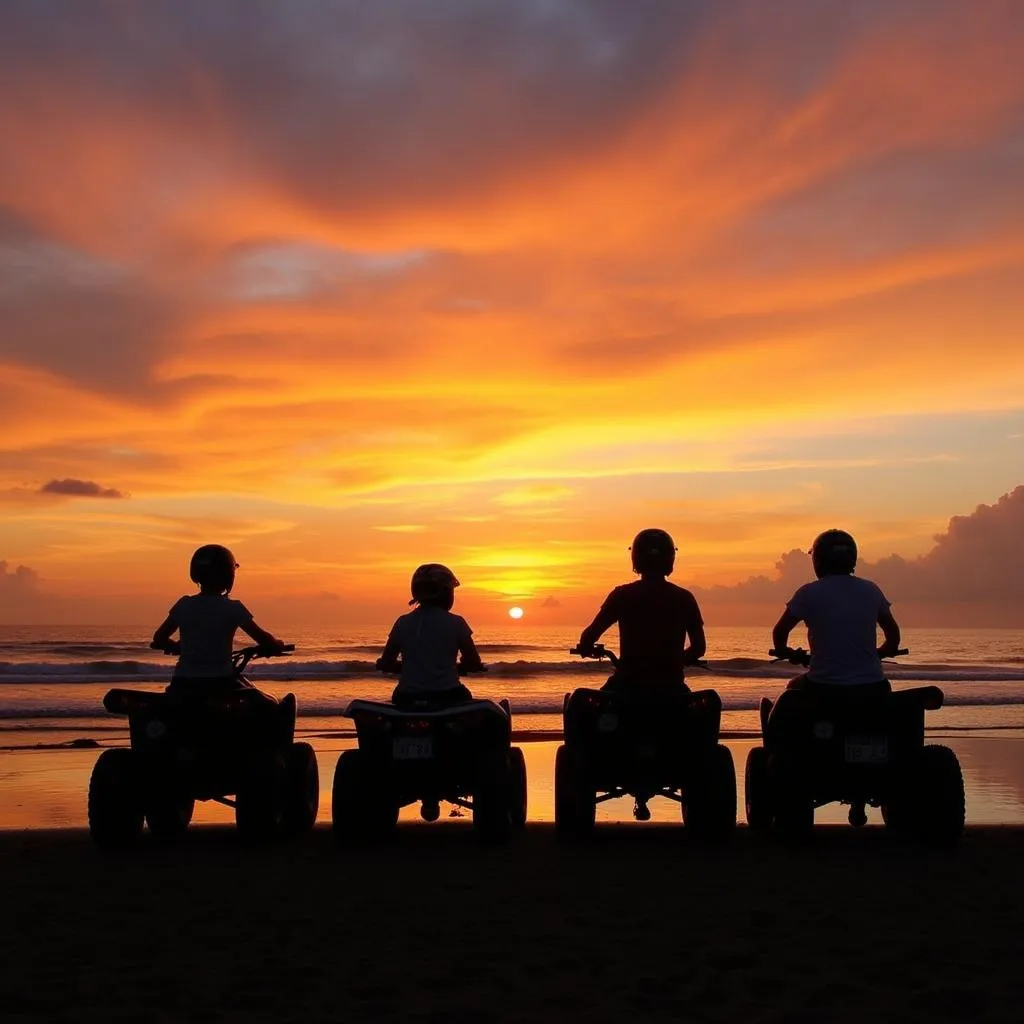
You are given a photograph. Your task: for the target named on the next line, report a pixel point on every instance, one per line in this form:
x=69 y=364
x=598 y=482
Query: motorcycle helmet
x=213 y=567
x=833 y=552
x=653 y=551
x=433 y=584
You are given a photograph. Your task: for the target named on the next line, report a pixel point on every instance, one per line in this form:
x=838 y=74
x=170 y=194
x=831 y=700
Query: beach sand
x=640 y=924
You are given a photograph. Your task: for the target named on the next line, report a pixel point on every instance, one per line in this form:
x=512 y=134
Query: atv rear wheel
x=259 y=802
x=360 y=809
x=575 y=806
x=169 y=814
x=757 y=783
x=709 y=802
x=517 y=788
x=935 y=792
x=492 y=800
x=115 y=808
x=792 y=802
x=301 y=789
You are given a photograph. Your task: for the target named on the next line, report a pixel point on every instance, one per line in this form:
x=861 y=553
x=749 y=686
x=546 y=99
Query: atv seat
x=470 y=707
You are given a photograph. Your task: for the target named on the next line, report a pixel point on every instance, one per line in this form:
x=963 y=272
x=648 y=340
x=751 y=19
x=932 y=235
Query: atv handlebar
x=240 y=658
x=599 y=651
x=798 y=656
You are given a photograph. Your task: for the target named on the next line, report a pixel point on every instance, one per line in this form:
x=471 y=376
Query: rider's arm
x=163 y=634
x=261 y=636
x=392 y=649
x=604 y=619
x=470 y=655
x=891 y=632
x=698 y=644
x=780 y=634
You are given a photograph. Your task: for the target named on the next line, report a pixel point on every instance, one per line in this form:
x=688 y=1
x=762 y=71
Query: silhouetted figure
x=429 y=641
x=841 y=612
x=206 y=623
x=655 y=619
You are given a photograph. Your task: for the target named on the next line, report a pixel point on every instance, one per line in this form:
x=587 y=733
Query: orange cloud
x=731 y=264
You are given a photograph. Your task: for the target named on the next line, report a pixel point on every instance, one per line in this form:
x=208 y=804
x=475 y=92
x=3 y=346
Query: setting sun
x=515 y=613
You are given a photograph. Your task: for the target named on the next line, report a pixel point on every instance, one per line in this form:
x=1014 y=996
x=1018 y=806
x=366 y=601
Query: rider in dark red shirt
x=655 y=618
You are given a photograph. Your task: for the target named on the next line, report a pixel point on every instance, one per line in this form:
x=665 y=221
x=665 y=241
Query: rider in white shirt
x=206 y=623
x=842 y=613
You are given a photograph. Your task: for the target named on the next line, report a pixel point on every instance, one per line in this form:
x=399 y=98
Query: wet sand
x=641 y=924
x=46 y=788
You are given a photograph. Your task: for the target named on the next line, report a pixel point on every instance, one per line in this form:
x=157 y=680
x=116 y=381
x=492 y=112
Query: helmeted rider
x=206 y=623
x=655 y=619
x=429 y=641
x=842 y=612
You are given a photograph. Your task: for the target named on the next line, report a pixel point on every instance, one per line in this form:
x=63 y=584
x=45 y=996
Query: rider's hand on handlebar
x=171 y=647
x=782 y=653
x=389 y=665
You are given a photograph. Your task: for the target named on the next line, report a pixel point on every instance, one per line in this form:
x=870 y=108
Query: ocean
x=54 y=678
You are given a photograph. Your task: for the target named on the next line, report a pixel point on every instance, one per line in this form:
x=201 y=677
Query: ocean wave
x=534 y=705
x=323 y=670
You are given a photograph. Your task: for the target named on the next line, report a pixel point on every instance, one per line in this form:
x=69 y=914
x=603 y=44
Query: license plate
x=407 y=749
x=867 y=749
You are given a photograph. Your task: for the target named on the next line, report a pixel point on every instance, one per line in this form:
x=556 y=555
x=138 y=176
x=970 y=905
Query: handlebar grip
x=903 y=650
x=287 y=648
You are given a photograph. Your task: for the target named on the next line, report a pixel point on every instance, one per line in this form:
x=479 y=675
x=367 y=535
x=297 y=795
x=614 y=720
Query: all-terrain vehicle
x=618 y=744
x=427 y=753
x=233 y=744
x=861 y=750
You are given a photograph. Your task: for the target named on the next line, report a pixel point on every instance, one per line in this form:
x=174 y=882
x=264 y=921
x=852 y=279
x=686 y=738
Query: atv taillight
x=381 y=723
x=128 y=702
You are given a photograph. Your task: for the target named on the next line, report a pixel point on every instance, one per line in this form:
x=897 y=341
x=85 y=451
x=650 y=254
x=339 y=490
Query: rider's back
x=429 y=638
x=654 y=616
x=841 y=612
x=207 y=623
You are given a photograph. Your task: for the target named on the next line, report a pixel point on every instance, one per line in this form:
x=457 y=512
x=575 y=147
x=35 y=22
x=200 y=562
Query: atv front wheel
x=575 y=806
x=115 y=807
x=301 y=789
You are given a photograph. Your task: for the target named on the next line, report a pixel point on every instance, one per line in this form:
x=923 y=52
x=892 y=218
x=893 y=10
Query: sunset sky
x=351 y=286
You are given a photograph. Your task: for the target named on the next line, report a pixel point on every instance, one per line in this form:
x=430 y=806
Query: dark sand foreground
x=640 y=924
